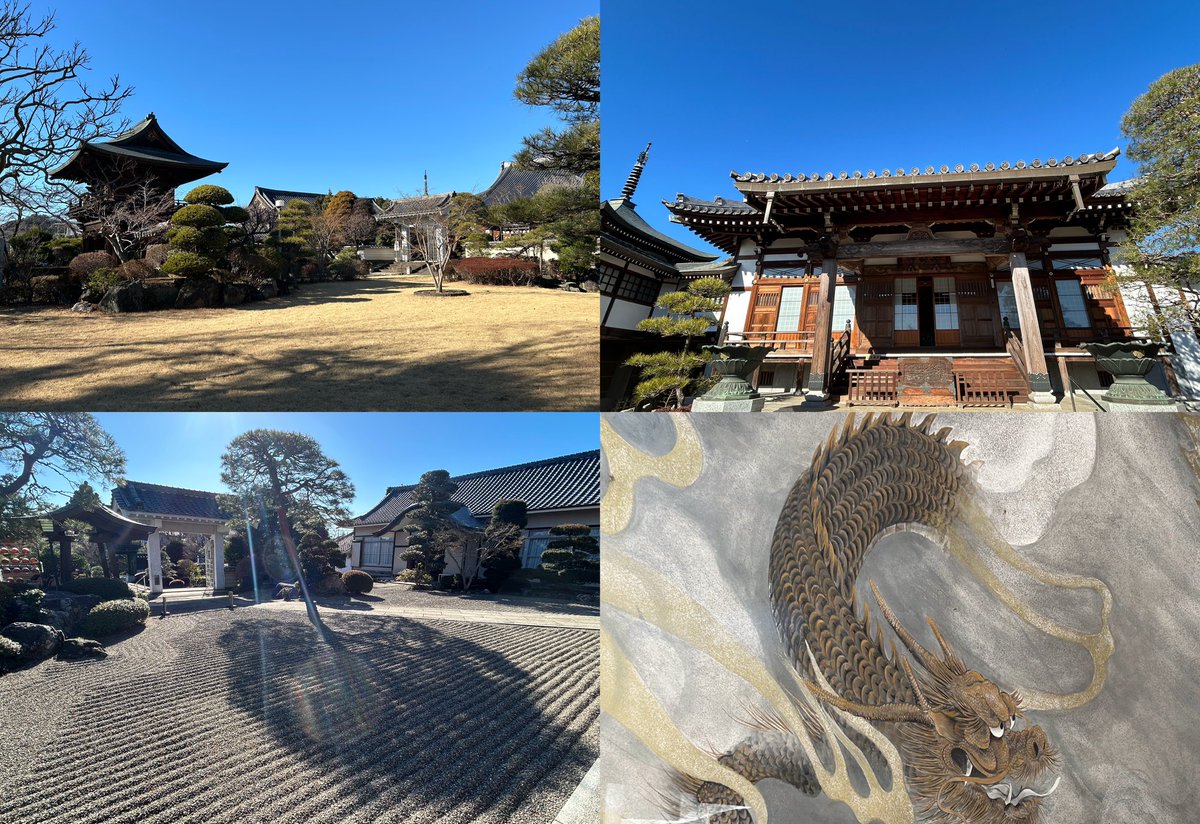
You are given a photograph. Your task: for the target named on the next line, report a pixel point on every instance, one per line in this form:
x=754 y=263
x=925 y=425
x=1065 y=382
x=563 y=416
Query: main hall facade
x=924 y=286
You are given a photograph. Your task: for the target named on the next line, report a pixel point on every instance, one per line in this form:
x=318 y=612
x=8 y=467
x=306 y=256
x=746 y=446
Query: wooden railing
x=874 y=387
x=840 y=357
x=983 y=388
x=782 y=341
x=1017 y=350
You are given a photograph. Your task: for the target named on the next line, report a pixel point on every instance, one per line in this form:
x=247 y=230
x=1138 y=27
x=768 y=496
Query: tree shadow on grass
x=403 y=720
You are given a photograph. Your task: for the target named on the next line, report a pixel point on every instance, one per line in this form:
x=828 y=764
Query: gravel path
x=245 y=716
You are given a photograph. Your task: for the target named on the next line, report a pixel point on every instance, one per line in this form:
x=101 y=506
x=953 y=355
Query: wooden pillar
x=818 y=375
x=1068 y=390
x=65 y=565
x=218 y=566
x=1040 y=390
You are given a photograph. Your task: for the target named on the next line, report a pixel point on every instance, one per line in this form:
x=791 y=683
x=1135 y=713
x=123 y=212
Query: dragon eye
x=959 y=757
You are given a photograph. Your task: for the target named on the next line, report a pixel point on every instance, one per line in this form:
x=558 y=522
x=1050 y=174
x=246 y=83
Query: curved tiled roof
x=156 y=499
x=407 y=207
x=514 y=184
x=145 y=141
x=719 y=206
x=566 y=482
x=274 y=195
x=915 y=171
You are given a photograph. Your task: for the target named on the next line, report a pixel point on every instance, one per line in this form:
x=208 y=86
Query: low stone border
x=445 y=293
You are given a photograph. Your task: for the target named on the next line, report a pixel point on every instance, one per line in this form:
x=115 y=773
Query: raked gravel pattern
x=245 y=716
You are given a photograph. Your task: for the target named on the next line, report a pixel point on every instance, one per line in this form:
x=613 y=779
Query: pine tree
x=429 y=526
x=572 y=552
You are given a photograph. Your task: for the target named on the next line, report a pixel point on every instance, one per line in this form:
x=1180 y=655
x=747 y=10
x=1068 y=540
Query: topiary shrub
x=187 y=265
x=107 y=589
x=358 y=582
x=414 y=576
x=331 y=585
x=82 y=266
x=101 y=280
x=199 y=216
x=63 y=249
x=235 y=214
x=209 y=194
x=114 y=616
x=136 y=270
x=46 y=288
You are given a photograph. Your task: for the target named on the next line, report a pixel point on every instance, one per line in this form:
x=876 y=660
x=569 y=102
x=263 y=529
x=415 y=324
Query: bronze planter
x=1129 y=362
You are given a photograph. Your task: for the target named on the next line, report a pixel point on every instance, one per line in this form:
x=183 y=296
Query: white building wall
x=1187 y=347
x=625 y=315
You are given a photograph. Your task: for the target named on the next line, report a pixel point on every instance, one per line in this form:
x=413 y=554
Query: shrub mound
x=199 y=216
x=358 y=582
x=331 y=585
x=187 y=265
x=10 y=654
x=495 y=271
x=106 y=589
x=114 y=616
x=209 y=194
x=414 y=576
x=82 y=266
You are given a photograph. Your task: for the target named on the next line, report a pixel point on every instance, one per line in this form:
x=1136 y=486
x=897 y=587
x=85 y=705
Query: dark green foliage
x=572 y=552
x=9 y=608
x=358 y=582
x=502 y=542
x=198 y=215
x=209 y=195
x=50 y=558
x=114 y=616
x=109 y=589
x=1163 y=242
x=667 y=377
x=430 y=528
x=319 y=557
x=101 y=280
x=10 y=654
x=174 y=550
x=187 y=265
x=235 y=214
x=63 y=249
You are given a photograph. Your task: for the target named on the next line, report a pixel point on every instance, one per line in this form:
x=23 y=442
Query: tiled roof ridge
x=916 y=171
x=590 y=453
x=126 y=482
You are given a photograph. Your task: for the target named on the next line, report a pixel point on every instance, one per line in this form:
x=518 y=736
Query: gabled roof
x=514 y=183
x=273 y=195
x=145 y=143
x=566 y=482
x=406 y=208
x=169 y=501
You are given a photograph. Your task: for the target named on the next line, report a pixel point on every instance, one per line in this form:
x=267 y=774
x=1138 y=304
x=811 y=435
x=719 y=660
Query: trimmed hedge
x=209 y=194
x=358 y=582
x=107 y=589
x=82 y=266
x=495 y=271
x=114 y=616
x=187 y=265
x=199 y=215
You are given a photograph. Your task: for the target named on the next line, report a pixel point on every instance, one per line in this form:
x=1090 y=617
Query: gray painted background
x=1108 y=496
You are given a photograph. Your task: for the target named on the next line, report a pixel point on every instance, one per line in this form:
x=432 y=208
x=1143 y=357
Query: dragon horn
x=886 y=712
x=923 y=655
x=948 y=655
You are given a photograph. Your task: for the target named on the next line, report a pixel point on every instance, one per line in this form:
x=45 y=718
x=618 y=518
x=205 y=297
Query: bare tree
x=127 y=217
x=46 y=109
x=436 y=235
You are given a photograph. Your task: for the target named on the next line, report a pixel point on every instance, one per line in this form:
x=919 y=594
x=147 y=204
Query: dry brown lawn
x=364 y=345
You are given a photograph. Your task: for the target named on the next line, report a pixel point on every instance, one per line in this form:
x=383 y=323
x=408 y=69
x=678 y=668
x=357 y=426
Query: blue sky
x=311 y=96
x=376 y=450
x=808 y=87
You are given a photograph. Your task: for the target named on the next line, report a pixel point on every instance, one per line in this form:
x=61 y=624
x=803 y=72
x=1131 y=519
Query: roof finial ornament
x=426 y=183
x=635 y=175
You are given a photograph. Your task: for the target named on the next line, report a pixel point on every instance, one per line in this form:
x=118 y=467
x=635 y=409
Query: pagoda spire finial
x=635 y=174
x=427 y=183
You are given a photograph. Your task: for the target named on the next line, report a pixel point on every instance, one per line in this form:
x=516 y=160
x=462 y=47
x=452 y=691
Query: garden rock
x=84 y=306
x=90 y=295
x=161 y=295
x=78 y=649
x=570 y=287
x=74 y=607
x=269 y=289
x=198 y=293
x=234 y=294
x=124 y=297
x=590 y=286
x=37 y=641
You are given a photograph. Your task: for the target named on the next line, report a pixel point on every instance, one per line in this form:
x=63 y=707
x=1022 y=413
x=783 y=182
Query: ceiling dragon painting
x=978 y=618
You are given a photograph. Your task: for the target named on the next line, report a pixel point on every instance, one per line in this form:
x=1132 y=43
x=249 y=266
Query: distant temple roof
x=566 y=482
x=514 y=183
x=271 y=196
x=406 y=208
x=171 y=501
x=145 y=144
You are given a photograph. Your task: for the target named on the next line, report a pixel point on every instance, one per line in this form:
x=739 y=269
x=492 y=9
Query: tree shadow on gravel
x=398 y=720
